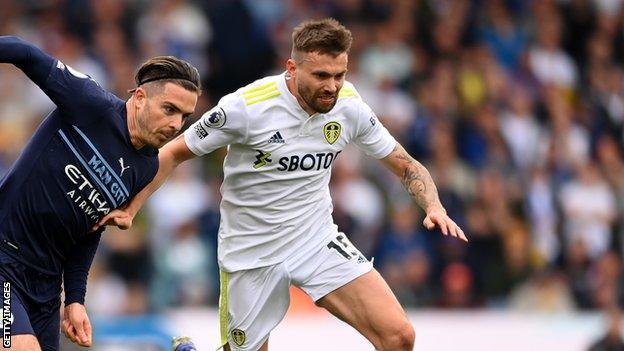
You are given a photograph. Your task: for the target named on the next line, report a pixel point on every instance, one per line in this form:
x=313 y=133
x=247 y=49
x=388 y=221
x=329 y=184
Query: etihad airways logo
x=98 y=170
x=98 y=188
x=85 y=195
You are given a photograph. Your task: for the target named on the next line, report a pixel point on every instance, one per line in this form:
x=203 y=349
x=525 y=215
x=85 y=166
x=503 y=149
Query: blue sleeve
x=76 y=268
x=69 y=89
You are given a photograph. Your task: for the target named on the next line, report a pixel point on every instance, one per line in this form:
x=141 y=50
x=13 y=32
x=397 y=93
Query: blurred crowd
x=516 y=108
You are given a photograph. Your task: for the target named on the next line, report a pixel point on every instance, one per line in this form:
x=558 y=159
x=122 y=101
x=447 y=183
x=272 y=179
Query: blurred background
x=516 y=108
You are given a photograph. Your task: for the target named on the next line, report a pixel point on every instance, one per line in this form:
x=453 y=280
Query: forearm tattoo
x=417 y=180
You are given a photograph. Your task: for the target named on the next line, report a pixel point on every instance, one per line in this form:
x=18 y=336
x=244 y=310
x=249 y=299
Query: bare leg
x=24 y=342
x=368 y=305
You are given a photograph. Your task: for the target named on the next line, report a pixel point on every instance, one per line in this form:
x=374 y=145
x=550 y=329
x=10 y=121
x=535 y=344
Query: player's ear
x=140 y=96
x=291 y=67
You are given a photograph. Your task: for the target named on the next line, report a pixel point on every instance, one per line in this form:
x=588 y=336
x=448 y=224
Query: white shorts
x=253 y=302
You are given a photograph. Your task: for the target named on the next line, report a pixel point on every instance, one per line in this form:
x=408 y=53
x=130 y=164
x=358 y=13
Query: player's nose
x=176 y=123
x=330 y=89
x=333 y=86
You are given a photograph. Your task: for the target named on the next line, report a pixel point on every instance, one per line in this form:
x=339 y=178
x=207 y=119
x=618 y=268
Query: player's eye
x=169 y=110
x=321 y=75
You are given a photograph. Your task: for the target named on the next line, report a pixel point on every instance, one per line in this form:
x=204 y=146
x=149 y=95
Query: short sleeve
x=223 y=125
x=371 y=136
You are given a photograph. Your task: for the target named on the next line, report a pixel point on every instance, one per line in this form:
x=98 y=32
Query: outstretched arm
x=418 y=183
x=169 y=157
x=27 y=57
x=66 y=87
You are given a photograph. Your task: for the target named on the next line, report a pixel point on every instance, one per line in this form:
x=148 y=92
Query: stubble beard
x=310 y=98
x=149 y=138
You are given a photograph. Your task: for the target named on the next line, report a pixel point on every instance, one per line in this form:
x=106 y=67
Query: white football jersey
x=275 y=192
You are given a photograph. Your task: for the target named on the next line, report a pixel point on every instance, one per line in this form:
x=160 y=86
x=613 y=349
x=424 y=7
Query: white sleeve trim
x=191 y=146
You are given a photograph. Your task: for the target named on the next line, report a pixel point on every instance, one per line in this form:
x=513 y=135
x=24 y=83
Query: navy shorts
x=35 y=302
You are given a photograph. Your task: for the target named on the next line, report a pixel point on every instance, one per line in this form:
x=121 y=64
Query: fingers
x=70 y=332
x=83 y=339
x=447 y=226
x=462 y=235
x=64 y=326
x=104 y=219
x=456 y=231
x=428 y=223
x=443 y=226
x=118 y=218
x=75 y=324
x=88 y=332
x=431 y=221
x=102 y=222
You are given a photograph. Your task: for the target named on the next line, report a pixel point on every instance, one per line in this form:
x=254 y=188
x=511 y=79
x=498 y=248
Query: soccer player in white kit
x=283 y=133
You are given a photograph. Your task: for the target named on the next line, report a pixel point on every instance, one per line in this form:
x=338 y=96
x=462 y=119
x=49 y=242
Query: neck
x=292 y=87
x=131 y=120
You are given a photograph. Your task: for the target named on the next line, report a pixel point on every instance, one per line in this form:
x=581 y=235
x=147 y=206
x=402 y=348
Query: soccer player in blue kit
x=89 y=156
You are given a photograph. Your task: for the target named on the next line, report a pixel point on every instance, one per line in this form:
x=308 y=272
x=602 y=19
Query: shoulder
x=87 y=90
x=96 y=102
x=254 y=93
x=348 y=91
x=357 y=110
x=350 y=98
x=253 y=100
x=261 y=91
x=350 y=101
x=234 y=110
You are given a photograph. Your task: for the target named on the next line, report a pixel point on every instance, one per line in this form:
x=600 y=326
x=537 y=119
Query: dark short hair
x=326 y=36
x=169 y=69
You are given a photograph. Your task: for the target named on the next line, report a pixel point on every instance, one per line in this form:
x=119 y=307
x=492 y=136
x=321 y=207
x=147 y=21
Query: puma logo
x=123 y=168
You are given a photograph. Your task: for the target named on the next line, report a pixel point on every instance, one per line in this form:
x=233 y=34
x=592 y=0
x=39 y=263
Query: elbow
x=171 y=158
x=168 y=159
x=178 y=159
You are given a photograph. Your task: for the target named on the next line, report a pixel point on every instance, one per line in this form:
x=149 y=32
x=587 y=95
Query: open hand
x=439 y=218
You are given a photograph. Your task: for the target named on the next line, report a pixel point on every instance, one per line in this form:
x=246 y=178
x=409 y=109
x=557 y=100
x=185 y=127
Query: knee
x=402 y=339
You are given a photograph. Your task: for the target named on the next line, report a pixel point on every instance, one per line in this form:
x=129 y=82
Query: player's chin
x=159 y=141
x=324 y=105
